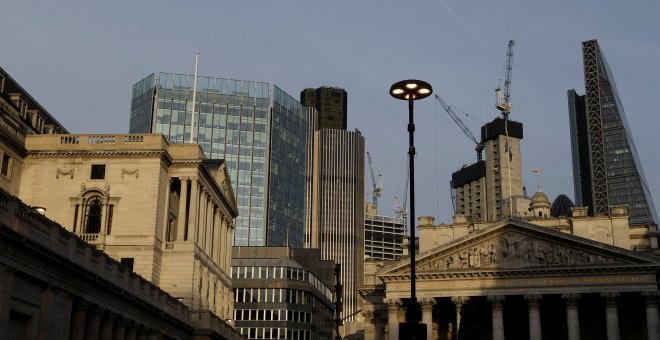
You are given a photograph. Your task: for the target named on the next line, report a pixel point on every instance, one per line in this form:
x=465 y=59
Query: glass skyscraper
x=258 y=129
x=606 y=167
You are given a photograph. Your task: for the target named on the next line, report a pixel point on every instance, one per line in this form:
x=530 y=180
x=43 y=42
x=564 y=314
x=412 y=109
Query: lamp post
x=411 y=90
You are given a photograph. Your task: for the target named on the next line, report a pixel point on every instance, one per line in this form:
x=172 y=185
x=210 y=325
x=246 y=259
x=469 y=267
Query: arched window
x=93 y=214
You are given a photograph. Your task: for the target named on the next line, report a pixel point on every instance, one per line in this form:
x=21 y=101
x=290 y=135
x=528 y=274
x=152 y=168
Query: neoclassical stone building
x=539 y=278
x=163 y=211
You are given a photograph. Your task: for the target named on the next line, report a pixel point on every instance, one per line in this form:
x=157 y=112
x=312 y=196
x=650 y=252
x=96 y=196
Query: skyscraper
x=606 y=167
x=337 y=215
x=491 y=189
x=331 y=103
x=258 y=129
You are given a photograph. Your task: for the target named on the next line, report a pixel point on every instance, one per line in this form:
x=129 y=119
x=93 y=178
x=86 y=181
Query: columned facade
x=519 y=281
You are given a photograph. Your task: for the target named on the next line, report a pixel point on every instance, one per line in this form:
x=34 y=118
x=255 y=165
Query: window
x=98 y=171
x=127 y=262
x=92 y=222
x=6 y=165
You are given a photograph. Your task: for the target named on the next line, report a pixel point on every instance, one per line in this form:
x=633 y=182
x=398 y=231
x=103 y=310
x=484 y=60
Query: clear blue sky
x=80 y=58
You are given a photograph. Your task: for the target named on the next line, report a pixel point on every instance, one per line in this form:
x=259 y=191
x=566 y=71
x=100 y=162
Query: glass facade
x=258 y=129
x=614 y=171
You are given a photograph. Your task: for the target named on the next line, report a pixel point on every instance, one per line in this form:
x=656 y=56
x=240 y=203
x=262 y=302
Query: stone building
x=163 y=211
x=20 y=115
x=536 y=278
x=54 y=285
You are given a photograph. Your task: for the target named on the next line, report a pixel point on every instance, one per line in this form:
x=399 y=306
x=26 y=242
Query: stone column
x=142 y=333
x=651 y=301
x=119 y=332
x=93 y=323
x=379 y=326
x=498 y=318
x=215 y=236
x=192 y=211
x=78 y=317
x=228 y=242
x=572 y=318
x=201 y=230
x=181 y=218
x=107 y=325
x=369 y=326
x=534 y=316
x=393 y=306
x=131 y=330
x=458 y=304
x=166 y=213
x=6 y=284
x=611 y=315
x=427 y=315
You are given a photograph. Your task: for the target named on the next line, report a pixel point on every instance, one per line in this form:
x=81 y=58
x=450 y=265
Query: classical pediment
x=514 y=245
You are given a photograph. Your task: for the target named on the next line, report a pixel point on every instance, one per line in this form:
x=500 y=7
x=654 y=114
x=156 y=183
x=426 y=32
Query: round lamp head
x=411 y=89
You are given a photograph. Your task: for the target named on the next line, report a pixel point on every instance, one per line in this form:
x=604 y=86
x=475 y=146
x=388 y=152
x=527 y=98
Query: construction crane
x=400 y=207
x=479 y=146
x=503 y=95
x=376 y=183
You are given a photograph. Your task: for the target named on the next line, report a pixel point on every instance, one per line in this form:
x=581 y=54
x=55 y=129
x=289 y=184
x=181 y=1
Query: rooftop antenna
x=194 y=101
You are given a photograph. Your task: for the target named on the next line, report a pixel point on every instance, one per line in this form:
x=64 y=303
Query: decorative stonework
x=512 y=250
x=134 y=172
x=64 y=172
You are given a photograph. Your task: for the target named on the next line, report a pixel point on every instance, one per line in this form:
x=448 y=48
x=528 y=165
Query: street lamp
x=411 y=90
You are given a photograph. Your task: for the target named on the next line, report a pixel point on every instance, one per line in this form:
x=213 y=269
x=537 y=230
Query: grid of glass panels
x=625 y=179
x=260 y=132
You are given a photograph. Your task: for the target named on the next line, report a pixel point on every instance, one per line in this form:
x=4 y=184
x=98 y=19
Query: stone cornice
x=90 y=154
x=521 y=273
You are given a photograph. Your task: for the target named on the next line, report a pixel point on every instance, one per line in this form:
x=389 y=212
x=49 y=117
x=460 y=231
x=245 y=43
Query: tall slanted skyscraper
x=606 y=167
x=258 y=129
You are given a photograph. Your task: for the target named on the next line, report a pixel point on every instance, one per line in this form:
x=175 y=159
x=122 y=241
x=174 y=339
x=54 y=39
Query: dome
x=562 y=206
x=540 y=198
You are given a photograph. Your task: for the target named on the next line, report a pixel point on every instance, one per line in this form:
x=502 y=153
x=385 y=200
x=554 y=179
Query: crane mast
x=376 y=183
x=479 y=146
x=503 y=96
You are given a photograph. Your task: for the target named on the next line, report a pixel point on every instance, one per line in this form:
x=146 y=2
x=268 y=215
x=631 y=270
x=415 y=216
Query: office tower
x=282 y=293
x=383 y=235
x=606 y=168
x=258 y=129
x=331 y=103
x=492 y=190
x=337 y=221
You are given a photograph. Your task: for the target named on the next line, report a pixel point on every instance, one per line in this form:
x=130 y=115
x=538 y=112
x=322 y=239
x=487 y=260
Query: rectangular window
x=6 y=165
x=98 y=171
x=127 y=262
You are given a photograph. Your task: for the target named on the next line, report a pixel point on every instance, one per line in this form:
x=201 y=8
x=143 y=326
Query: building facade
x=163 y=210
x=535 y=278
x=492 y=189
x=54 y=285
x=337 y=215
x=283 y=293
x=331 y=103
x=20 y=115
x=258 y=129
x=606 y=167
x=383 y=235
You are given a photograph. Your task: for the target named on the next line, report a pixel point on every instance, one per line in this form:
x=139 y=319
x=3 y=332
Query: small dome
x=540 y=198
x=562 y=206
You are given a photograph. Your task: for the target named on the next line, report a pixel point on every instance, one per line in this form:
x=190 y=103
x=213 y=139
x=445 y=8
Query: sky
x=79 y=59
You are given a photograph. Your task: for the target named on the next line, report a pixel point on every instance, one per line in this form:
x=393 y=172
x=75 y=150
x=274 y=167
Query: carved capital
x=459 y=300
x=610 y=299
x=393 y=305
x=426 y=303
x=650 y=298
x=533 y=300
x=368 y=315
x=571 y=299
x=496 y=301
